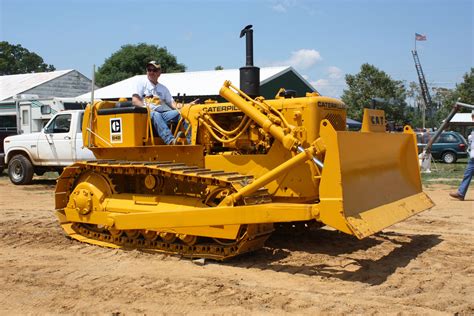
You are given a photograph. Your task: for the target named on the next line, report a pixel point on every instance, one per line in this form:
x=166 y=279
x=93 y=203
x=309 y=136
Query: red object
x=462 y=147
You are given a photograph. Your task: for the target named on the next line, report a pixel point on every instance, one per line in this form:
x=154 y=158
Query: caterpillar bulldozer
x=252 y=165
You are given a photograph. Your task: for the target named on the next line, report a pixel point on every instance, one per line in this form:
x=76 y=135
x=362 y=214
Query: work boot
x=179 y=136
x=456 y=195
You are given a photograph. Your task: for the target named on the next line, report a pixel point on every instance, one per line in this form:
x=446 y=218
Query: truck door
x=55 y=142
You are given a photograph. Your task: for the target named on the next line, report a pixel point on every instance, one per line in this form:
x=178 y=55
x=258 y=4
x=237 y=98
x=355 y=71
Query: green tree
x=465 y=90
x=219 y=68
x=414 y=95
x=15 y=59
x=369 y=84
x=446 y=98
x=443 y=100
x=415 y=104
x=130 y=60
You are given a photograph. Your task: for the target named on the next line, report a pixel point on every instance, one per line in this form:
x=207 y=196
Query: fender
x=16 y=150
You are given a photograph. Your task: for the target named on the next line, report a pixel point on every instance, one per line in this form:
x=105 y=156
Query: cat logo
x=373 y=121
x=377 y=120
x=116 y=130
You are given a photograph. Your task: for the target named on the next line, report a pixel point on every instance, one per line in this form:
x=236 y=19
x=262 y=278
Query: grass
x=442 y=173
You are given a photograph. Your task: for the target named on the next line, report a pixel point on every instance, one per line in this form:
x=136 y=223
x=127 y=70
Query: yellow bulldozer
x=252 y=165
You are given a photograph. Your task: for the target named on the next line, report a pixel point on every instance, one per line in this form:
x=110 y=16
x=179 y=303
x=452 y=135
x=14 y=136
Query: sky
x=322 y=40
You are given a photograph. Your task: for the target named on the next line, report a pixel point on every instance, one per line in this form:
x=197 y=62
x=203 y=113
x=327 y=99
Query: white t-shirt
x=146 y=88
x=470 y=140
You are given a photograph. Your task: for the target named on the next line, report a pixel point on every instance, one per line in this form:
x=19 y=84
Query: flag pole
x=415 y=42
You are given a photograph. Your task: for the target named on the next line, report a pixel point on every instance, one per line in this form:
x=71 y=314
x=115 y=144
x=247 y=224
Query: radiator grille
x=337 y=121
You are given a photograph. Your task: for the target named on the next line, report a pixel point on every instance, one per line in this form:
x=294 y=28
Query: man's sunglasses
x=153 y=69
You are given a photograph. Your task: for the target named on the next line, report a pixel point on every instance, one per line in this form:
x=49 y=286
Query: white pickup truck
x=58 y=145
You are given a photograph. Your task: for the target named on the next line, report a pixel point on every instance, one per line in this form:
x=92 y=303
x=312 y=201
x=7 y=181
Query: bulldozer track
x=251 y=237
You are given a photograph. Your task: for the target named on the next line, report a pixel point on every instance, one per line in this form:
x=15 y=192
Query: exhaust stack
x=249 y=74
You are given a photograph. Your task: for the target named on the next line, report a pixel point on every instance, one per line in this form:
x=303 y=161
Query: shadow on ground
x=46 y=182
x=47 y=179
x=331 y=254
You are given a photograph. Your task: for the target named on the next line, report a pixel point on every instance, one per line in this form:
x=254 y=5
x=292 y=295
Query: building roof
x=462 y=118
x=12 y=85
x=195 y=83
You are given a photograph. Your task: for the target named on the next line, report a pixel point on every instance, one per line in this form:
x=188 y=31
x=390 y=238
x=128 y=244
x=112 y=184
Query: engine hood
x=21 y=138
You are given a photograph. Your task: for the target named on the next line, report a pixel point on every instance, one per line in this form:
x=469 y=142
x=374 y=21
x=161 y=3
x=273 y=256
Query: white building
x=27 y=101
x=206 y=84
x=63 y=83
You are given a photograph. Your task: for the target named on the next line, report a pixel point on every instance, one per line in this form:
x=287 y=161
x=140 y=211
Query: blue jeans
x=468 y=173
x=160 y=121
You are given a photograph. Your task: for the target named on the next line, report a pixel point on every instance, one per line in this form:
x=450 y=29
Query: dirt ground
x=421 y=266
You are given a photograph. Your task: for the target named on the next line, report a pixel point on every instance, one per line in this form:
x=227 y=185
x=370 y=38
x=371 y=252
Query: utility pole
x=423 y=110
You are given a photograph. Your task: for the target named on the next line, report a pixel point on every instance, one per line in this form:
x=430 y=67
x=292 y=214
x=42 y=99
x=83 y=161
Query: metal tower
x=421 y=77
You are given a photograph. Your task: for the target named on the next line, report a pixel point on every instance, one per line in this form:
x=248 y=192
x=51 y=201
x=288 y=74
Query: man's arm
x=174 y=105
x=169 y=99
x=180 y=105
x=137 y=100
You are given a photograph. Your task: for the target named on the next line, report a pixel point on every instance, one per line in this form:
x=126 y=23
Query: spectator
x=469 y=172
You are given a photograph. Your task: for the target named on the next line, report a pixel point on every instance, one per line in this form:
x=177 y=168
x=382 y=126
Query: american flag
x=420 y=37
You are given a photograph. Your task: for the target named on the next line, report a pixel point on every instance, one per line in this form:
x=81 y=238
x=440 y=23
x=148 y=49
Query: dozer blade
x=369 y=180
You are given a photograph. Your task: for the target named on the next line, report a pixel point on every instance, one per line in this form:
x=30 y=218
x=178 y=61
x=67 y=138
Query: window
x=74 y=105
x=60 y=124
x=25 y=118
x=8 y=122
x=447 y=138
x=79 y=128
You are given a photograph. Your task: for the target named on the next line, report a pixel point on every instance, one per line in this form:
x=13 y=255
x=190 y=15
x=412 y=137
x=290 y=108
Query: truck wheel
x=20 y=170
x=449 y=157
